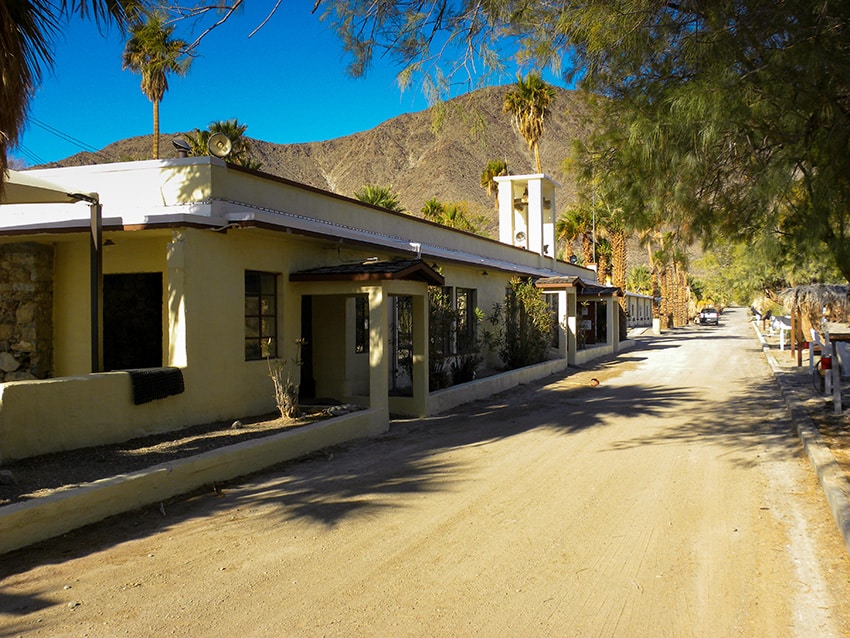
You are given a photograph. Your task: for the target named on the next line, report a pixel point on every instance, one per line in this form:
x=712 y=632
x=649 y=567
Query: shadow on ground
x=354 y=479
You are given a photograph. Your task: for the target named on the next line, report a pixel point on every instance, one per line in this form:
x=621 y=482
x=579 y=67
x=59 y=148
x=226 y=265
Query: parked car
x=708 y=316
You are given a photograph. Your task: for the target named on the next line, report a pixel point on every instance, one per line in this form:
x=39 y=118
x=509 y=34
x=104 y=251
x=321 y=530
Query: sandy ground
x=671 y=500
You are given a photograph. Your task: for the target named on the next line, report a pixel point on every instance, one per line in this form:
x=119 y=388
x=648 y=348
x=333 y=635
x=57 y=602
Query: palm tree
x=382 y=196
x=235 y=132
x=456 y=216
x=680 y=282
x=459 y=216
x=528 y=103
x=603 y=256
x=494 y=168
x=566 y=232
x=433 y=209
x=152 y=52
x=639 y=280
x=27 y=32
x=577 y=223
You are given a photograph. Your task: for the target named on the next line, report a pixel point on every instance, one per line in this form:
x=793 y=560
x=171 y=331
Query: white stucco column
x=563 y=327
x=420 y=354
x=177 y=346
x=379 y=384
x=548 y=203
x=613 y=321
x=535 y=216
x=506 y=212
x=572 y=326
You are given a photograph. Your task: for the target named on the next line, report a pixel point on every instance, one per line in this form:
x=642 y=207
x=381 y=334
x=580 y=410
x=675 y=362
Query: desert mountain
x=439 y=152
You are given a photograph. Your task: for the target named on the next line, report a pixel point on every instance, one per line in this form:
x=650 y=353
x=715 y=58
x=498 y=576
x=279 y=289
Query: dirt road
x=671 y=500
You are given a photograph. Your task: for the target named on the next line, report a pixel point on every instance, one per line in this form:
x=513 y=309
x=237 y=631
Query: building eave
x=400 y=269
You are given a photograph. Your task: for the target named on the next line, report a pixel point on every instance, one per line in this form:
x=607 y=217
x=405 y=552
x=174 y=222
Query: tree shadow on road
x=751 y=423
x=365 y=478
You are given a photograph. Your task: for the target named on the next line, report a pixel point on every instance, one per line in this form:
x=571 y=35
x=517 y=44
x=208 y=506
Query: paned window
x=552 y=301
x=260 y=315
x=361 y=328
x=465 y=305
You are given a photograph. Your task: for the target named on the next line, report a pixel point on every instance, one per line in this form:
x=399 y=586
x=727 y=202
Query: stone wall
x=26 y=311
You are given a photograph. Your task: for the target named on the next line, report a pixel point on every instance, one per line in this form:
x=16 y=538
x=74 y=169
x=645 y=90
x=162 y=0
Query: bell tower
x=527 y=212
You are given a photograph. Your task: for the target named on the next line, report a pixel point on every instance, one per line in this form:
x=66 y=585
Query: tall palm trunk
x=587 y=249
x=618 y=262
x=656 y=292
x=671 y=293
x=677 y=294
x=156 y=129
x=602 y=268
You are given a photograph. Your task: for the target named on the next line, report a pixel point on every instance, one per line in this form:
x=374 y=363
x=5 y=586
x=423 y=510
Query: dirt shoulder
x=833 y=428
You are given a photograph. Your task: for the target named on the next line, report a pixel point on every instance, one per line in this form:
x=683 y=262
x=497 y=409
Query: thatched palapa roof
x=816 y=301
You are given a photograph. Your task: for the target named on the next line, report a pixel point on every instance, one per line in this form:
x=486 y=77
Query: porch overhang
x=559 y=283
x=583 y=288
x=20 y=188
x=594 y=290
x=398 y=269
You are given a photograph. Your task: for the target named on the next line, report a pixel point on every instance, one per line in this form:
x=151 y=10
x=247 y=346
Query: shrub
x=527 y=327
x=283 y=375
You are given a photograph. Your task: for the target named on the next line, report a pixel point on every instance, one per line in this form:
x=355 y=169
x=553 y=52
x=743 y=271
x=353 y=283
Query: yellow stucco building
x=144 y=297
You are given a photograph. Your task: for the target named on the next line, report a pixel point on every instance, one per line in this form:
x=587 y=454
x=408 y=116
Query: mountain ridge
x=439 y=152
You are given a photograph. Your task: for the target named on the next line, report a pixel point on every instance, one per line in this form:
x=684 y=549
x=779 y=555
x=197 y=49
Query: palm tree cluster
x=669 y=259
x=454 y=215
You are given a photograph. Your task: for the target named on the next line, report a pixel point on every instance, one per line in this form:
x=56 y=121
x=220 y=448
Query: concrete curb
x=834 y=483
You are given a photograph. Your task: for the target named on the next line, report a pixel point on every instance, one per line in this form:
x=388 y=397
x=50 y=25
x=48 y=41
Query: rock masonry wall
x=26 y=312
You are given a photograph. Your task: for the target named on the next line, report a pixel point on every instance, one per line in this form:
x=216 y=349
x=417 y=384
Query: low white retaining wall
x=29 y=522
x=443 y=400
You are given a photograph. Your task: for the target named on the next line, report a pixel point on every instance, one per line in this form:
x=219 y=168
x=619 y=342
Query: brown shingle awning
x=398 y=269
x=560 y=282
x=582 y=287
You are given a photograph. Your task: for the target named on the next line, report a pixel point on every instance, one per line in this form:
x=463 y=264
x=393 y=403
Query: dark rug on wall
x=150 y=384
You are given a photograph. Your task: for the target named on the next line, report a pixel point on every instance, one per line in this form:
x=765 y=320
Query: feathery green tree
x=738 y=111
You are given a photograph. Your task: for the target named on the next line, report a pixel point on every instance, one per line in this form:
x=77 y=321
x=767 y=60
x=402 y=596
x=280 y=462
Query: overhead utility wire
x=68 y=138
x=32 y=157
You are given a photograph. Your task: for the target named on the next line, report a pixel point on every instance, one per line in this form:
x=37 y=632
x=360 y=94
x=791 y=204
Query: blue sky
x=287 y=83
